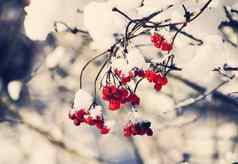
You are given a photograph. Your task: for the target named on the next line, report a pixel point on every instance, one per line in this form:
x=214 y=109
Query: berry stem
x=85 y=66
x=100 y=71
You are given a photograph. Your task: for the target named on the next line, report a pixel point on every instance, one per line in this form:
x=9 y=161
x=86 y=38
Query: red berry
x=123 y=95
x=152 y=76
x=124 y=92
x=89 y=120
x=114 y=104
x=104 y=130
x=133 y=130
x=156 y=38
x=108 y=92
x=158 y=86
x=99 y=125
x=105 y=92
x=127 y=131
x=118 y=72
x=163 y=80
x=139 y=128
x=76 y=122
x=71 y=116
x=134 y=99
x=125 y=80
x=165 y=46
x=80 y=114
x=158 y=44
x=99 y=122
x=113 y=89
x=131 y=74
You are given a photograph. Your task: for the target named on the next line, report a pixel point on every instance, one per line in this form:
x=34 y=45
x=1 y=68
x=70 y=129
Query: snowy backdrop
x=194 y=117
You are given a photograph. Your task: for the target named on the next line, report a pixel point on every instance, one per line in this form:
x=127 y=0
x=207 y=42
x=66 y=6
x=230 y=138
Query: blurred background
x=195 y=117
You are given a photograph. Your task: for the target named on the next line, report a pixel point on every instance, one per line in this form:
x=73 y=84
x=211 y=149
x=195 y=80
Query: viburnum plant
x=119 y=82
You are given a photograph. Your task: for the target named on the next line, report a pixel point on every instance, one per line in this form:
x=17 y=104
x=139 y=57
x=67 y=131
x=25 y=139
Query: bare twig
x=202 y=90
x=190 y=101
x=85 y=66
x=73 y=30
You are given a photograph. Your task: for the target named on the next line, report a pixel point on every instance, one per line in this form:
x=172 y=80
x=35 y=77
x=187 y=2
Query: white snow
x=42 y=14
x=97 y=111
x=55 y=57
x=121 y=64
x=14 y=89
x=136 y=59
x=82 y=100
x=99 y=31
x=61 y=56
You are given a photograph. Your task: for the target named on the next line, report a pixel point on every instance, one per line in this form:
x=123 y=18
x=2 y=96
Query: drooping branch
x=70 y=29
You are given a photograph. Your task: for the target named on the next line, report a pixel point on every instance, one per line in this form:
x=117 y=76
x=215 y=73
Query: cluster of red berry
x=138 y=128
x=124 y=78
x=117 y=96
x=121 y=95
x=81 y=116
x=160 y=42
x=116 y=87
x=158 y=79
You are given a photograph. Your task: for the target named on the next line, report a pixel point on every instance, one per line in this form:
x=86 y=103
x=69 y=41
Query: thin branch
x=191 y=101
x=120 y=12
x=234 y=11
x=179 y=31
x=201 y=11
x=100 y=71
x=73 y=30
x=228 y=15
x=142 y=3
x=216 y=94
x=200 y=42
x=137 y=84
x=85 y=66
